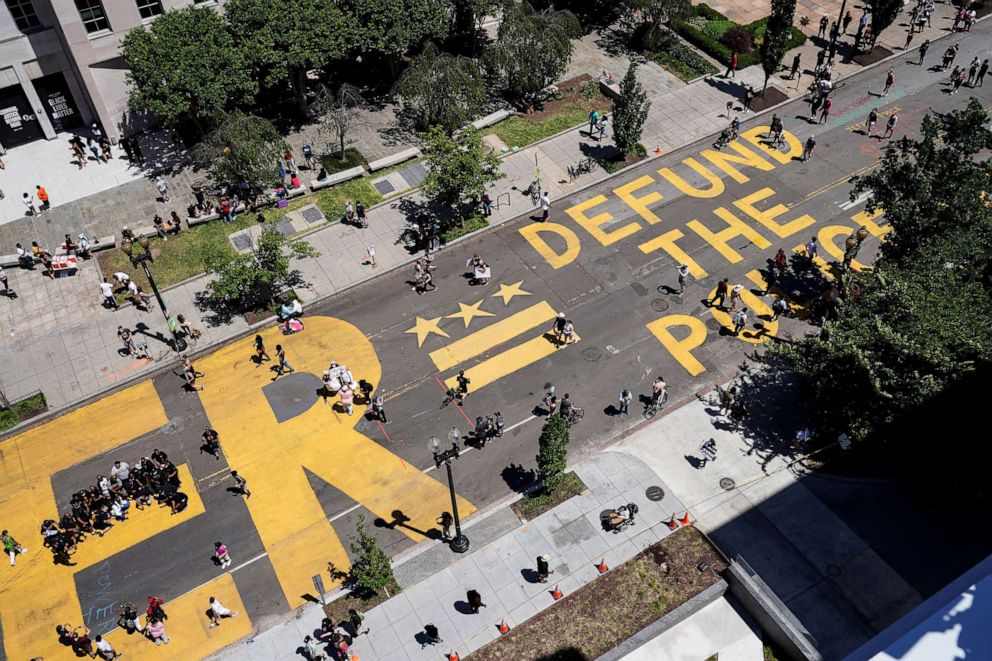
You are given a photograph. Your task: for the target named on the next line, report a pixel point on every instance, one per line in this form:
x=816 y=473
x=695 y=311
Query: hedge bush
x=699 y=38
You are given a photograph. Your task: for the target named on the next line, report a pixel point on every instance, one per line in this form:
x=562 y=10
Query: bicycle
x=574 y=415
x=655 y=405
x=585 y=166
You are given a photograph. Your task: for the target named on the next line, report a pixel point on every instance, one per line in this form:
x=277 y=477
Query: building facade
x=60 y=65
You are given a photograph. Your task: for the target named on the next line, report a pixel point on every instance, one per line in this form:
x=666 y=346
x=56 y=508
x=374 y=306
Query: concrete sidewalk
x=502 y=572
x=57 y=337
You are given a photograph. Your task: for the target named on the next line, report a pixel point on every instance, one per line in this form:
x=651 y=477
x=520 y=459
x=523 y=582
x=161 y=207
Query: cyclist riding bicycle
x=565 y=407
x=658 y=389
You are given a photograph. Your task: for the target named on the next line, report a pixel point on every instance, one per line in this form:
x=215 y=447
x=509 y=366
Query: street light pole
x=836 y=35
x=460 y=543
x=142 y=259
x=853 y=244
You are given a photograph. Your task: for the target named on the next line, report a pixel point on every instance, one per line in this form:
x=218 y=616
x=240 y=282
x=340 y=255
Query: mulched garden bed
x=21 y=410
x=871 y=57
x=772 y=96
x=572 y=91
x=337 y=610
x=618 y=604
x=535 y=504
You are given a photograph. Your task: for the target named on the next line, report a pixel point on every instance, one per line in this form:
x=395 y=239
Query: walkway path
x=56 y=337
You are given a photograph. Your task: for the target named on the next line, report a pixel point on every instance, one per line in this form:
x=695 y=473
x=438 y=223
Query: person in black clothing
x=211 y=443
x=463 y=382
x=474 y=600
x=544 y=568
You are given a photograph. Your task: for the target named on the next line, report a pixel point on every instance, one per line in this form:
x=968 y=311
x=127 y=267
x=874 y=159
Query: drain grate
x=727 y=484
x=654 y=493
x=592 y=355
x=659 y=305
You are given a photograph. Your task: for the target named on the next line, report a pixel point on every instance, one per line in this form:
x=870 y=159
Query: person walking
x=11 y=547
x=221 y=555
x=545 y=205
x=219 y=611
x=780 y=306
x=155 y=630
x=593 y=121
x=973 y=71
x=890 y=126
x=808 y=148
x=163 y=188
x=474 y=600
x=356 y=617
x=722 y=289
x=779 y=262
x=624 y=399
x=604 y=121
x=824 y=22
x=445 y=521
x=731 y=71
x=811 y=249
x=107 y=290
x=846 y=21
x=871 y=121
x=347 y=396
x=105 y=650
x=795 y=65
x=735 y=297
x=240 y=484
x=924 y=47
x=260 y=352
x=825 y=113
x=462 y=388
x=7 y=291
x=544 y=568
x=283 y=364
x=28 y=201
x=683 y=272
x=740 y=320
x=909 y=38
x=42 y=195
x=890 y=77
x=821 y=57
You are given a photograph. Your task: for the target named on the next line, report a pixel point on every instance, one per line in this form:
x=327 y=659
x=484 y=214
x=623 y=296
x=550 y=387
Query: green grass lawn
x=332 y=162
x=522 y=130
x=22 y=410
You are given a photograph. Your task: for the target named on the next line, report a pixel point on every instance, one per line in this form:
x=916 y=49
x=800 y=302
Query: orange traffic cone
x=685 y=520
x=557 y=593
x=672 y=523
x=602 y=566
x=503 y=627
x=657 y=149
x=453 y=656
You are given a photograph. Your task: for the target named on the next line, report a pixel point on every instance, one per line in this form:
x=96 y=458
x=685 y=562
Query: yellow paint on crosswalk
x=828 y=270
x=36 y=594
x=492 y=336
x=827 y=236
x=681 y=349
x=756 y=306
x=509 y=361
x=274 y=457
x=188 y=626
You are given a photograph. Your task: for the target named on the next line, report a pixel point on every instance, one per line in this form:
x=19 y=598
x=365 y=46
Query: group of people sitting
x=480 y=271
x=338 y=637
x=94 y=511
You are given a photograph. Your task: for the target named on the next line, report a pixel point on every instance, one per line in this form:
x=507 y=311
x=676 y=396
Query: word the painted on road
x=761 y=227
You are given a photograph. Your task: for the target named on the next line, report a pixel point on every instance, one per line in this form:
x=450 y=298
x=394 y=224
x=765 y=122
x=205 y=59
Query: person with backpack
x=780 y=306
x=356 y=618
x=808 y=148
x=740 y=320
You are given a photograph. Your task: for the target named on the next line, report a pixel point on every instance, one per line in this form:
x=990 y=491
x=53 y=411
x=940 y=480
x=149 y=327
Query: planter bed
x=703 y=30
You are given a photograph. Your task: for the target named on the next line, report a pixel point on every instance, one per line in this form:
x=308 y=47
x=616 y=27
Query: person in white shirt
x=107 y=290
x=122 y=278
x=545 y=205
x=218 y=611
x=105 y=650
x=120 y=471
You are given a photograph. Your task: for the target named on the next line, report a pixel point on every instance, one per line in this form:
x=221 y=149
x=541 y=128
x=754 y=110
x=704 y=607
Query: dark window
x=92 y=15
x=23 y=13
x=149 y=8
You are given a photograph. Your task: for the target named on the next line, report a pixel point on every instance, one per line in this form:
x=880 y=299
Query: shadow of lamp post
x=142 y=259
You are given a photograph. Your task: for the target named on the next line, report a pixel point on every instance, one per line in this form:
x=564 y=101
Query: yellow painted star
x=425 y=327
x=506 y=292
x=470 y=312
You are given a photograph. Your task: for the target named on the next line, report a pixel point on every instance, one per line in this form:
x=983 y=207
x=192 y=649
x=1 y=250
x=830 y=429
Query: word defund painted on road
x=641 y=193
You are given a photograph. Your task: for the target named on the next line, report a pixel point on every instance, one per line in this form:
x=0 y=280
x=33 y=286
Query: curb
x=52 y=413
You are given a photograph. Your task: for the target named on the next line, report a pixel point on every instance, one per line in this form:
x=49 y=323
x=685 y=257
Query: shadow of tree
x=518 y=478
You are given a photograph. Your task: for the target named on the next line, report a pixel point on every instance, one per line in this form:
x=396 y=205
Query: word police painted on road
x=641 y=193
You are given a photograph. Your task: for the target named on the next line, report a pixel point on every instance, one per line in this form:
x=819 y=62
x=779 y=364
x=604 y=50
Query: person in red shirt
x=732 y=67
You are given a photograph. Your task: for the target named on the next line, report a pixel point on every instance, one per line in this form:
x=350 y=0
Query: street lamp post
x=836 y=35
x=459 y=544
x=142 y=260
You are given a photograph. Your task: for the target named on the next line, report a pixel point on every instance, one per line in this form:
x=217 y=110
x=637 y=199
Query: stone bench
x=8 y=261
x=103 y=243
x=491 y=119
x=338 y=177
x=206 y=218
x=394 y=159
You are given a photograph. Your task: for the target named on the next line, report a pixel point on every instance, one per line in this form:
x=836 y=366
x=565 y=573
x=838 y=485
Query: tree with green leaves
x=648 y=20
x=552 y=453
x=466 y=25
x=186 y=68
x=441 y=90
x=883 y=14
x=283 y=39
x=339 y=112
x=630 y=112
x=244 y=148
x=916 y=328
x=392 y=28
x=532 y=49
x=371 y=569
x=250 y=281
x=776 y=40
x=459 y=167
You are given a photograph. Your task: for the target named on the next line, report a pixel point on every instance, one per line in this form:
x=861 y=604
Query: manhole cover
x=727 y=483
x=833 y=570
x=659 y=305
x=592 y=355
x=654 y=493
x=384 y=187
x=414 y=175
x=312 y=215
